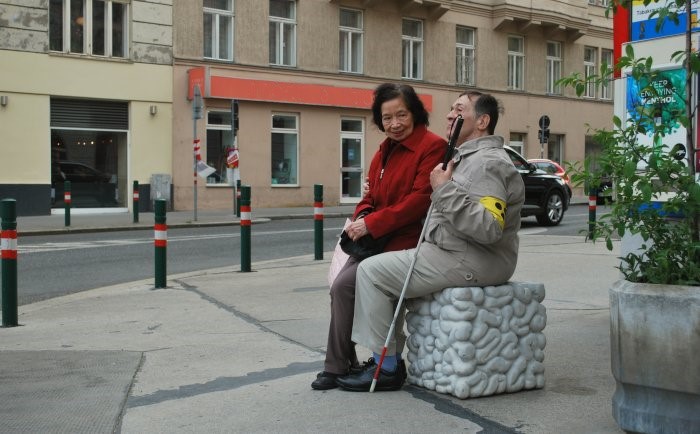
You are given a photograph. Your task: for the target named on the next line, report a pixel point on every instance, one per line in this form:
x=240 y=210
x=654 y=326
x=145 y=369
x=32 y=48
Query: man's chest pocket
x=462 y=180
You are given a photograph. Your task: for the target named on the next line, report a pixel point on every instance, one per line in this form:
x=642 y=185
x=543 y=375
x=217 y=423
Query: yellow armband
x=496 y=207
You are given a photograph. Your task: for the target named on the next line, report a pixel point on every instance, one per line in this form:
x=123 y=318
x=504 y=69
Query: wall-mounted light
x=153 y=110
x=3 y=100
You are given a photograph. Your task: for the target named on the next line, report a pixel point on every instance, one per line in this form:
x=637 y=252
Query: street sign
x=544 y=122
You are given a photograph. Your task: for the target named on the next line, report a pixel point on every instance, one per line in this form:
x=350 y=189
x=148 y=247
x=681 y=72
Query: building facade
x=86 y=91
x=302 y=74
x=110 y=84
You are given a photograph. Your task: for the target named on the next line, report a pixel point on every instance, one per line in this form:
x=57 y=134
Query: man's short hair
x=485 y=104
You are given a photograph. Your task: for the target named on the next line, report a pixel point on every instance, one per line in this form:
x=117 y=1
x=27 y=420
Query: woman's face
x=397 y=119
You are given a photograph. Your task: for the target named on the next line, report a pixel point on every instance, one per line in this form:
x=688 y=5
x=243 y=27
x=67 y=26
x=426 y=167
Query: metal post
x=245 y=228
x=66 y=202
x=197 y=113
x=318 y=221
x=161 y=243
x=238 y=198
x=136 y=201
x=8 y=252
x=592 y=205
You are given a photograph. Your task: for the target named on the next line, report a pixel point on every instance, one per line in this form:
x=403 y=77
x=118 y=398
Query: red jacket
x=399 y=190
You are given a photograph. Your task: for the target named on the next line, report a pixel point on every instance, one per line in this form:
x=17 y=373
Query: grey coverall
x=471 y=240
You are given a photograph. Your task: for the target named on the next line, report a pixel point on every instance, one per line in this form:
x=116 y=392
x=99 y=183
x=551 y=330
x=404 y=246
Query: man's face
x=472 y=127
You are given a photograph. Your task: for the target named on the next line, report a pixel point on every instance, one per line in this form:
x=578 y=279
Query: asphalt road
x=50 y=266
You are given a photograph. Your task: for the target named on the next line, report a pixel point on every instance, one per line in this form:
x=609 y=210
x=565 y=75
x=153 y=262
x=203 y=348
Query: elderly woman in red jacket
x=397 y=201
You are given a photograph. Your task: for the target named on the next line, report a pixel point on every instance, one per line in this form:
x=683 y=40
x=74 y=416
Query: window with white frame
x=412 y=49
x=606 y=90
x=517 y=142
x=516 y=62
x=218 y=29
x=589 y=69
x=93 y=27
x=553 y=67
x=283 y=32
x=465 y=56
x=219 y=143
x=350 y=40
x=555 y=148
x=285 y=149
x=351 y=155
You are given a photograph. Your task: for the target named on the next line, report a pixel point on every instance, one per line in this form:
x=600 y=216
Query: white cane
x=448 y=155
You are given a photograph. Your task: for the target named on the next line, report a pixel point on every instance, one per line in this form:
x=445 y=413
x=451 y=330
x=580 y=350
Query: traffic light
x=234 y=117
x=543 y=134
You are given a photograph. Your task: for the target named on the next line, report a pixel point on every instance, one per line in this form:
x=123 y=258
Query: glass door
x=351 y=154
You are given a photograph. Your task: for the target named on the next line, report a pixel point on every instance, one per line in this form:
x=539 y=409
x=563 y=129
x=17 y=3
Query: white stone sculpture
x=471 y=342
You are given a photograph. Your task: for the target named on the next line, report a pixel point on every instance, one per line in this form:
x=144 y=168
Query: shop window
x=285 y=150
x=283 y=30
x=555 y=148
x=219 y=143
x=94 y=27
x=517 y=142
x=351 y=153
x=218 y=29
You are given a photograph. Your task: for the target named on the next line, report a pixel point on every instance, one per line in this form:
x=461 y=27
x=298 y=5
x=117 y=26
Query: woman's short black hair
x=388 y=91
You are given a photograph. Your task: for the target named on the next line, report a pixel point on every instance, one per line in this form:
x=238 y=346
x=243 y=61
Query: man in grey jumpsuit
x=471 y=238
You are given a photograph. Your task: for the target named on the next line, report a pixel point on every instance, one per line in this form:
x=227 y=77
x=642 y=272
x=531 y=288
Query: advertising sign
x=644 y=26
x=656 y=101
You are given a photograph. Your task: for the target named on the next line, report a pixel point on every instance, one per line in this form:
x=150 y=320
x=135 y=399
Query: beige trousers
x=379 y=282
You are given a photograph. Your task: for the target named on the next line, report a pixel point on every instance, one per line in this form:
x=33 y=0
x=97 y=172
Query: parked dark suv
x=546 y=196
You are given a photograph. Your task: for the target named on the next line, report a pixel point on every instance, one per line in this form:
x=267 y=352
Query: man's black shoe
x=325 y=380
x=362 y=381
x=402 y=369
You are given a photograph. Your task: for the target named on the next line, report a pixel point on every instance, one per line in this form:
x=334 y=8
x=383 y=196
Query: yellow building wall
x=24 y=143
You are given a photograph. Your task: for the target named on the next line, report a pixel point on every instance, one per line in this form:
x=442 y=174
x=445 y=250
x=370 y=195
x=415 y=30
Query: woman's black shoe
x=362 y=381
x=325 y=380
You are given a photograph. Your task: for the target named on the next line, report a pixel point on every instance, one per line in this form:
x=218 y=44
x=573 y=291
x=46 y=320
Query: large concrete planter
x=655 y=352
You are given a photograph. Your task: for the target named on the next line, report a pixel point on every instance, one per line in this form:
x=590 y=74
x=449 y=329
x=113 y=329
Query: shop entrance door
x=352 y=158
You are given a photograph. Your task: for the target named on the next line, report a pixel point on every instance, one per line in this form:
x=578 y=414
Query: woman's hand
x=365 y=188
x=357 y=229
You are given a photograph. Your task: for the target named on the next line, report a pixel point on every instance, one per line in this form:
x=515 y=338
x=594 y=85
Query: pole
x=136 y=201
x=197 y=113
x=66 y=203
x=245 y=228
x=8 y=253
x=238 y=198
x=160 y=243
x=318 y=221
x=592 y=206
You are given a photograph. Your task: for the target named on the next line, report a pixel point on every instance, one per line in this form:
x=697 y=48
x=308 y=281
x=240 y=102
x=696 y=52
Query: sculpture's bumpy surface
x=473 y=341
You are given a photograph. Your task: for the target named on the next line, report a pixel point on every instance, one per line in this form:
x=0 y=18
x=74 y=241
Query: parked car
x=89 y=186
x=551 y=167
x=547 y=196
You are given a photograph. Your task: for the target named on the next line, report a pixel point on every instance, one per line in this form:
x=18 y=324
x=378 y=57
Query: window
x=517 y=142
x=606 y=91
x=219 y=143
x=351 y=144
x=465 y=56
x=555 y=148
x=589 y=69
x=94 y=27
x=350 y=41
x=218 y=29
x=285 y=139
x=553 y=67
x=516 y=62
x=412 y=49
x=283 y=30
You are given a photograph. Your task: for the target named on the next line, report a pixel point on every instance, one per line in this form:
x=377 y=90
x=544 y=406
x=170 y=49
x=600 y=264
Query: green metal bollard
x=66 y=203
x=245 y=228
x=136 y=201
x=161 y=243
x=238 y=198
x=318 y=221
x=8 y=252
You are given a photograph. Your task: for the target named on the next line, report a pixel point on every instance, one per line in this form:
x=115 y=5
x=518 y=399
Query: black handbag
x=364 y=247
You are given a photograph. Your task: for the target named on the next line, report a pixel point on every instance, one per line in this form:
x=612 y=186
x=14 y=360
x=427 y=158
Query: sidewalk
x=224 y=351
